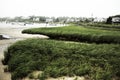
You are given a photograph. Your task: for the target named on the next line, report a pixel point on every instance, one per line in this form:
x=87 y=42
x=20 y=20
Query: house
x=115 y=19
x=49 y=20
x=99 y=19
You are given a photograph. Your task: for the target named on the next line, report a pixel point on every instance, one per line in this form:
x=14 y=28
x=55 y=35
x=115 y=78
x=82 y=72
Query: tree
x=109 y=20
x=57 y=20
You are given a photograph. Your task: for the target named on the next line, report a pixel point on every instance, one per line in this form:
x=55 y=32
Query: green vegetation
x=108 y=26
x=61 y=58
x=64 y=58
x=78 y=33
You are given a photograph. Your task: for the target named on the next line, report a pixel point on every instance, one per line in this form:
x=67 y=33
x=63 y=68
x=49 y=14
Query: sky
x=56 y=8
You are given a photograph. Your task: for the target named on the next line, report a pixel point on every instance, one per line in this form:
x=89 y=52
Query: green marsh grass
x=61 y=58
x=78 y=33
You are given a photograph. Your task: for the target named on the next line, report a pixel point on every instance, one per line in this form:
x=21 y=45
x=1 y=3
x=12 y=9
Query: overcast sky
x=75 y=8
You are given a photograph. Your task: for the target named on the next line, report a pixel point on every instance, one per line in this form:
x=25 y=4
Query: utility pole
x=92 y=18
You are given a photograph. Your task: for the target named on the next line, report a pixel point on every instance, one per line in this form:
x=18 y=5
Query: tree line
x=44 y=19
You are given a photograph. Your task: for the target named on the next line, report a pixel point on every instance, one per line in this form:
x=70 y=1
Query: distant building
x=115 y=19
x=70 y=20
x=49 y=20
x=99 y=20
x=36 y=19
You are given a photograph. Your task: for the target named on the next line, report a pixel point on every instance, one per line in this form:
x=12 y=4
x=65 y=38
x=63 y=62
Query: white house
x=116 y=19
